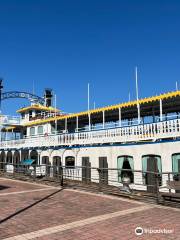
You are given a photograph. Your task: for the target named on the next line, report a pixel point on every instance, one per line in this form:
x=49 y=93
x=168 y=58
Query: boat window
x=32 y=131
x=151 y=165
x=70 y=162
x=34 y=156
x=125 y=166
x=40 y=130
x=56 y=161
x=155 y=166
x=176 y=163
x=45 y=160
x=30 y=114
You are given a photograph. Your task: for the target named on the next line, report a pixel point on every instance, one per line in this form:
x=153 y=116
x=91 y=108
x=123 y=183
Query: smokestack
x=48 y=97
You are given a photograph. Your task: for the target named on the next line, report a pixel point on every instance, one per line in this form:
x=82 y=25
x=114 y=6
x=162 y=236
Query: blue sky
x=66 y=44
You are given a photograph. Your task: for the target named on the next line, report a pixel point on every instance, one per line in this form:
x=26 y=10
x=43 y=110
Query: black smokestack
x=48 y=97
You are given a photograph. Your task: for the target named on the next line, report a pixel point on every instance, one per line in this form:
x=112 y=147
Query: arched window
x=32 y=131
x=9 y=157
x=176 y=162
x=34 y=156
x=57 y=169
x=152 y=168
x=40 y=129
x=24 y=154
x=176 y=165
x=70 y=162
x=125 y=166
x=45 y=160
x=56 y=161
x=16 y=158
x=151 y=163
x=2 y=160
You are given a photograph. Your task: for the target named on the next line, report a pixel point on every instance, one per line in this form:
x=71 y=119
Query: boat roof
x=170 y=100
x=37 y=107
x=14 y=128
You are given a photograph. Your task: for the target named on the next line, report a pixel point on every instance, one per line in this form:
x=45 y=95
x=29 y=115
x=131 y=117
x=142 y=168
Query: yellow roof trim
x=37 y=107
x=108 y=108
x=9 y=128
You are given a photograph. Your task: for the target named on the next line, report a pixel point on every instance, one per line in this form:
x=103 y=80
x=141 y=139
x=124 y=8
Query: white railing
x=9 y=120
x=146 y=132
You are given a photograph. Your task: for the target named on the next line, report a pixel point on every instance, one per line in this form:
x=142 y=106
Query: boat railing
x=144 y=132
x=9 y=120
x=138 y=184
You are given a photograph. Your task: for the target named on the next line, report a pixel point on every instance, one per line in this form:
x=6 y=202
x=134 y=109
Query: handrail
x=146 y=132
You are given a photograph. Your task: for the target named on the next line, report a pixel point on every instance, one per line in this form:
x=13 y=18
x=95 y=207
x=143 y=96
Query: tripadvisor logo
x=139 y=231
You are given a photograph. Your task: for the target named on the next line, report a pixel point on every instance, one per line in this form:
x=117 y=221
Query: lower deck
x=134 y=160
x=167 y=154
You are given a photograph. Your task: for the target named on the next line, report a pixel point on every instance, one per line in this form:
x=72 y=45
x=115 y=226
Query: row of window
x=40 y=130
x=149 y=163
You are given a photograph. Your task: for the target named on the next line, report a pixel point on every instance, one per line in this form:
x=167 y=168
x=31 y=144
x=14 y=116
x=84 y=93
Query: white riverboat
x=140 y=136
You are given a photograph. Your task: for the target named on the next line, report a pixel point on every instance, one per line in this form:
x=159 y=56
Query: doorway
x=103 y=173
x=152 y=169
x=86 y=170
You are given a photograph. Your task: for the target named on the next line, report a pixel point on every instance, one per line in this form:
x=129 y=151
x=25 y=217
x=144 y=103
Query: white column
x=5 y=135
x=65 y=124
x=103 y=119
x=55 y=114
x=5 y=156
x=13 y=151
x=77 y=123
x=160 y=106
x=20 y=155
x=120 y=124
x=12 y=135
x=39 y=160
x=139 y=115
x=56 y=126
x=89 y=116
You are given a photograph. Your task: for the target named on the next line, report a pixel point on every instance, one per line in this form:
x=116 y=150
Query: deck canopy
x=37 y=107
x=128 y=111
x=12 y=128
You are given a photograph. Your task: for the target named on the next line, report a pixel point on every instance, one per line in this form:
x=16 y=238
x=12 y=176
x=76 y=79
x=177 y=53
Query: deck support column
x=103 y=119
x=12 y=135
x=139 y=115
x=160 y=105
x=65 y=125
x=39 y=160
x=77 y=124
x=55 y=125
x=120 y=123
x=89 y=117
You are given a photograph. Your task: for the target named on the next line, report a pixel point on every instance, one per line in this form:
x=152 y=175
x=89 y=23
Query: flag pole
x=137 y=95
x=88 y=97
x=55 y=104
x=89 y=116
x=176 y=86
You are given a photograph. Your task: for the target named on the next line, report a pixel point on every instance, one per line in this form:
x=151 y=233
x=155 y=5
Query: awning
x=27 y=162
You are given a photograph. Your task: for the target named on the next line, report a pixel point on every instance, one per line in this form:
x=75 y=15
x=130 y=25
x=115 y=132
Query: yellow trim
x=108 y=108
x=37 y=107
x=9 y=128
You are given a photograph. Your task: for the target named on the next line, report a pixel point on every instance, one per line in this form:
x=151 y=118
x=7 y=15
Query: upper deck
x=145 y=132
x=149 y=119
